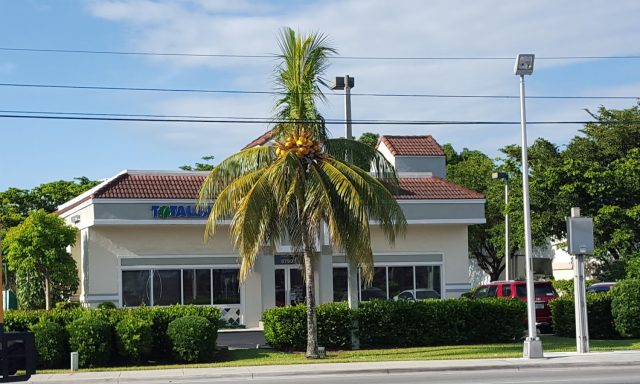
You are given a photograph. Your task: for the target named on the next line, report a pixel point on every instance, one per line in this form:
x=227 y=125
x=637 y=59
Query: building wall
x=434 y=164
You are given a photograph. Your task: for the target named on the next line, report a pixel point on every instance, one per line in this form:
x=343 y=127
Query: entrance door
x=290 y=287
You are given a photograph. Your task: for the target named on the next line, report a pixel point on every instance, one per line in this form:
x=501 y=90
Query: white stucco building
x=141 y=241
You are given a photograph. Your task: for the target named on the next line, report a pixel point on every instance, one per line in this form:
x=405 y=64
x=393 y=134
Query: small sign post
x=580 y=241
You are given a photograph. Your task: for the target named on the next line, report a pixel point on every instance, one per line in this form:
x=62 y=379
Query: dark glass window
x=196 y=285
x=226 y=287
x=340 y=284
x=428 y=282
x=135 y=288
x=378 y=288
x=166 y=287
x=506 y=291
x=400 y=280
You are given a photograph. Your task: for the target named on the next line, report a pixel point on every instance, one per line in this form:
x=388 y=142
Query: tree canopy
x=36 y=250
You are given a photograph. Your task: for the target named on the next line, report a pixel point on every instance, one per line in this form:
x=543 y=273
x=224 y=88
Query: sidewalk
x=551 y=360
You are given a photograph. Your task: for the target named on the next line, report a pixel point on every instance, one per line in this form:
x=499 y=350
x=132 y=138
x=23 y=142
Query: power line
x=271 y=56
x=243 y=120
x=226 y=91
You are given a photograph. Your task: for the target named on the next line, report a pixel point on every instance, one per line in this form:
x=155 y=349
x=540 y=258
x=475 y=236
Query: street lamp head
x=524 y=64
x=338 y=83
x=500 y=176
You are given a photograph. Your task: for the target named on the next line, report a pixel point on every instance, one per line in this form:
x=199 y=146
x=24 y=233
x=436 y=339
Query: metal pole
x=507 y=273
x=532 y=345
x=347 y=109
x=580 y=299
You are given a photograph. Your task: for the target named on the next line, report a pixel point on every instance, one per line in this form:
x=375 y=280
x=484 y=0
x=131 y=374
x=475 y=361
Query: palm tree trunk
x=312 y=324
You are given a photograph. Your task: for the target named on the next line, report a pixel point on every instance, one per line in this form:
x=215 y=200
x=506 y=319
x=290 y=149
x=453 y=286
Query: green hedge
x=52 y=344
x=193 y=338
x=599 y=316
x=399 y=323
x=91 y=336
x=131 y=330
x=626 y=307
x=285 y=328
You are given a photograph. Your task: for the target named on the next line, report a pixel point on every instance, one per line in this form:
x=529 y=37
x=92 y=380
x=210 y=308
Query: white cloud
x=386 y=28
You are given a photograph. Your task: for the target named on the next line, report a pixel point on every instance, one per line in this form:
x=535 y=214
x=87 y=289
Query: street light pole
x=347 y=82
x=532 y=345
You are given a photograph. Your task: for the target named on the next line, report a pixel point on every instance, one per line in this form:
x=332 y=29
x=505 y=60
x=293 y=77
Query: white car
x=420 y=294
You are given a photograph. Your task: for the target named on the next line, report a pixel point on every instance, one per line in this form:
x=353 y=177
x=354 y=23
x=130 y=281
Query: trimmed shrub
x=399 y=323
x=51 y=344
x=162 y=316
x=193 y=338
x=438 y=322
x=91 y=336
x=285 y=328
x=625 y=307
x=107 y=305
x=600 y=319
x=21 y=320
x=134 y=337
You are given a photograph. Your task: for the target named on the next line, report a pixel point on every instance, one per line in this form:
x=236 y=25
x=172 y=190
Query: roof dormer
x=414 y=156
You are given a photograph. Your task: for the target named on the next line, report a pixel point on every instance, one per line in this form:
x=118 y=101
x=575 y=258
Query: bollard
x=322 y=352
x=74 y=361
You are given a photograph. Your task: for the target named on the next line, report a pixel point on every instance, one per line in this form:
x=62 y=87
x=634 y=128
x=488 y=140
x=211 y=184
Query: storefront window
x=428 y=282
x=196 y=286
x=226 y=287
x=136 y=288
x=340 y=284
x=176 y=286
x=378 y=288
x=166 y=287
x=400 y=280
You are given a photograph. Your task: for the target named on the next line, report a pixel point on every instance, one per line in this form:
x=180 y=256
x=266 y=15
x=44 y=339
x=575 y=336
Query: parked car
x=420 y=294
x=543 y=292
x=600 y=287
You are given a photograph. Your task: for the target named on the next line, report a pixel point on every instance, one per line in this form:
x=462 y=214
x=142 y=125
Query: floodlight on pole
x=532 y=345
x=505 y=176
x=347 y=82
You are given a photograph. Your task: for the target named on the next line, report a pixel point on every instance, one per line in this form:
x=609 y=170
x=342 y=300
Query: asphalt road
x=609 y=375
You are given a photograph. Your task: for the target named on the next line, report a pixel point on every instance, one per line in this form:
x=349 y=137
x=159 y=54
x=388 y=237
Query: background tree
x=206 y=166
x=370 y=139
x=304 y=181
x=36 y=251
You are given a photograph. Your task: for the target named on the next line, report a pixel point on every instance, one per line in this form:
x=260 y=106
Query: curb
x=248 y=375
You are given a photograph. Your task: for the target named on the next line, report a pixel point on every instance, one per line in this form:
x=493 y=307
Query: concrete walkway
x=551 y=360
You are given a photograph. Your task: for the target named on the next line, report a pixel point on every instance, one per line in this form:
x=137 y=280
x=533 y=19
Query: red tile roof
x=261 y=140
x=412 y=145
x=154 y=185
x=433 y=188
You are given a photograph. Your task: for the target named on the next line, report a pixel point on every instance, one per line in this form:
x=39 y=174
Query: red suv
x=544 y=293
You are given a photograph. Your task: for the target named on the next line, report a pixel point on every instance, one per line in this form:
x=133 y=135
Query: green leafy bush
x=107 y=305
x=599 y=316
x=21 y=320
x=625 y=307
x=134 y=337
x=438 y=322
x=162 y=316
x=285 y=328
x=91 y=336
x=399 y=323
x=51 y=344
x=193 y=338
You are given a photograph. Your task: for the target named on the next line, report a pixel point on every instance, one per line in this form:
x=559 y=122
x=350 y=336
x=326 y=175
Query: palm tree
x=291 y=189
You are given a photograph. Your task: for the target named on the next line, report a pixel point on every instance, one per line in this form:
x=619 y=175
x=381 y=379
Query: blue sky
x=38 y=151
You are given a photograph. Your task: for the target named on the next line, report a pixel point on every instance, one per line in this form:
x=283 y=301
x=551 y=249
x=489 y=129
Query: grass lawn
x=252 y=357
